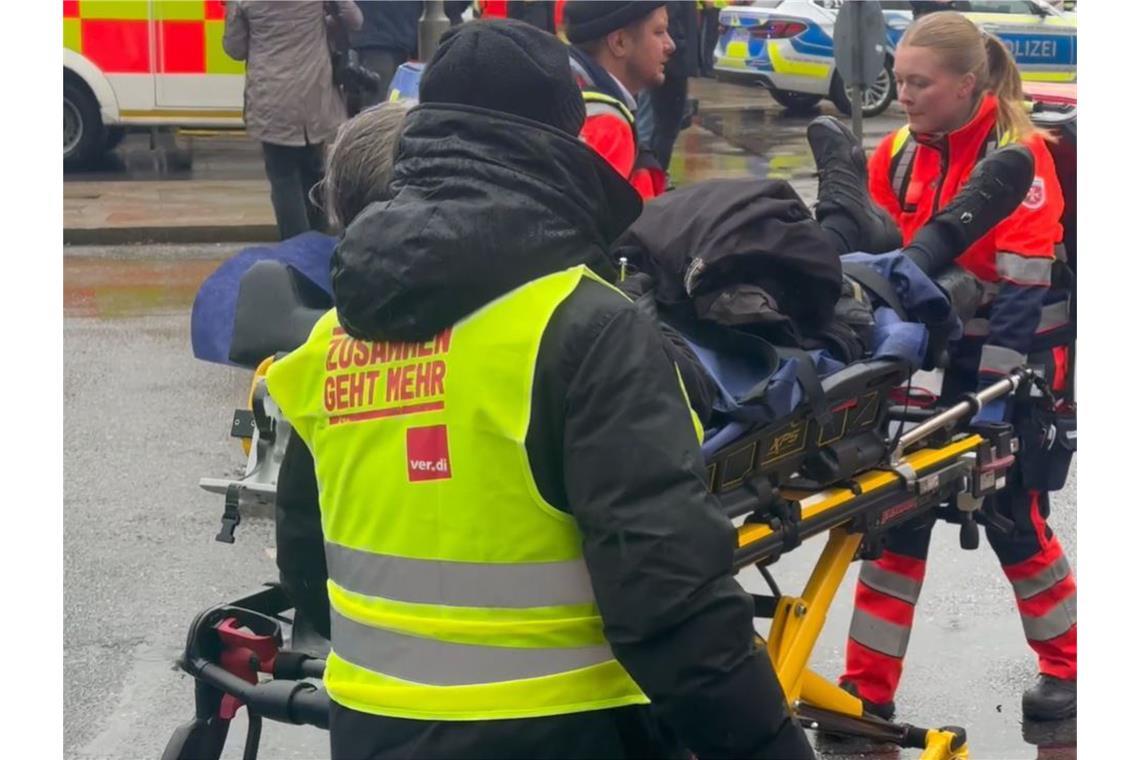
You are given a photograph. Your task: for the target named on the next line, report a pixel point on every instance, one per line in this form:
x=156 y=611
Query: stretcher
x=846 y=469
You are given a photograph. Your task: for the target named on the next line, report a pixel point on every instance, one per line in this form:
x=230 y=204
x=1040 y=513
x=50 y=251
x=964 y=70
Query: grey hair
x=360 y=161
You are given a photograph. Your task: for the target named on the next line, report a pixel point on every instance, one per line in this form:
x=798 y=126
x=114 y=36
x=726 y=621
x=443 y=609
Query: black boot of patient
x=844 y=207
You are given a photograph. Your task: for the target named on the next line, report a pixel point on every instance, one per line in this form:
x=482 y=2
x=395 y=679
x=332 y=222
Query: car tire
x=83 y=133
x=884 y=87
x=796 y=102
x=114 y=136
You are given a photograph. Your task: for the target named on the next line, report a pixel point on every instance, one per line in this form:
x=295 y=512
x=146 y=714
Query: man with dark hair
x=617 y=50
x=523 y=558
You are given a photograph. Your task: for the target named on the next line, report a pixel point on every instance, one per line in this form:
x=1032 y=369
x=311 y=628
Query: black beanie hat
x=593 y=19
x=509 y=66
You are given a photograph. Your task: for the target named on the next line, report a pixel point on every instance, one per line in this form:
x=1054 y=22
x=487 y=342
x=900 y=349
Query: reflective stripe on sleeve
x=459 y=584
x=1025 y=270
x=443 y=663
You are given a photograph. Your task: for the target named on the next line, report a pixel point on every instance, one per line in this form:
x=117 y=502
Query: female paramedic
x=963 y=99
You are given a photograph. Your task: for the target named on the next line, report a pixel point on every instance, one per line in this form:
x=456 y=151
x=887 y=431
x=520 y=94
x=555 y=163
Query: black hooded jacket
x=483 y=203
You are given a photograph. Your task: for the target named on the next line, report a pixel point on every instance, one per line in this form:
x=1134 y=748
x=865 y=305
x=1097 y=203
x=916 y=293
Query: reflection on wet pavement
x=112 y=288
x=212 y=155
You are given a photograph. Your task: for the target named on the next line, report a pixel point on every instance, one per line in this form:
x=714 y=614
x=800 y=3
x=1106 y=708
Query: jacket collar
x=971 y=132
x=591 y=74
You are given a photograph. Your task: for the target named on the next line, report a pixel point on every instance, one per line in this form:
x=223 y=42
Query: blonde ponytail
x=1004 y=81
x=965 y=49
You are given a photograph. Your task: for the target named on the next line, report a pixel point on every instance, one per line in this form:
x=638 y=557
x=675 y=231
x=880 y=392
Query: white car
x=788 y=47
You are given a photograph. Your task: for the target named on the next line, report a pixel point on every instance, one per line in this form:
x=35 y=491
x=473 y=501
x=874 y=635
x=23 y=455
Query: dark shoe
x=1050 y=698
x=884 y=710
x=842 y=169
x=995 y=189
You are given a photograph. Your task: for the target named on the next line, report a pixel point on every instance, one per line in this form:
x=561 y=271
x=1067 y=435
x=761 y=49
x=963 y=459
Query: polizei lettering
x=366 y=379
x=1022 y=48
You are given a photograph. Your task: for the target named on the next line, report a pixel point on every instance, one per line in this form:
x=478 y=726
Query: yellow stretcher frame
x=798 y=620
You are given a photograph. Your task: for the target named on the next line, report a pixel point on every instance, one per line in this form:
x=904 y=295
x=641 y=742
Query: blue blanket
x=212 y=316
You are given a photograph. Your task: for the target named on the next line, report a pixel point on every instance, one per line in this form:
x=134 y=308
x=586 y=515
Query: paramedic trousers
x=1031 y=558
x=292 y=171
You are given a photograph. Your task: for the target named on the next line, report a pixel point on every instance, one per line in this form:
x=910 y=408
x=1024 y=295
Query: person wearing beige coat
x=292 y=106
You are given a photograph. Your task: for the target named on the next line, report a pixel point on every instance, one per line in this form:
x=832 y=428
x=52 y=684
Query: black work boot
x=996 y=187
x=842 y=169
x=884 y=710
x=1051 y=698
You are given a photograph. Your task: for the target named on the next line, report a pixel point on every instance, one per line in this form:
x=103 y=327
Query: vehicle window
x=766 y=4
x=1014 y=6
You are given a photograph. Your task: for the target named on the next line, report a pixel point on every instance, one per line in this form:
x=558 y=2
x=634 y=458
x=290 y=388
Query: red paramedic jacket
x=611 y=127
x=913 y=176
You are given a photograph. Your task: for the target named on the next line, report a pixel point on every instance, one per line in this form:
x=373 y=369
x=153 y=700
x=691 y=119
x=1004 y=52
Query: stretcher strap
x=809 y=381
x=877 y=284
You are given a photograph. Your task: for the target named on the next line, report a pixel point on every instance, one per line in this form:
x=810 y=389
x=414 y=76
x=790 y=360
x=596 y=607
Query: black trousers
x=383 y=62
x=293 y=171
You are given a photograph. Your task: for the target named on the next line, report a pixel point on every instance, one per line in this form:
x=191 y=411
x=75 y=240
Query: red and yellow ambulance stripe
x=116 y=36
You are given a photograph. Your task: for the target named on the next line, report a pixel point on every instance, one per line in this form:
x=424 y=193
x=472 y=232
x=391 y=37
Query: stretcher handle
x=967 y=407
x=297 y=702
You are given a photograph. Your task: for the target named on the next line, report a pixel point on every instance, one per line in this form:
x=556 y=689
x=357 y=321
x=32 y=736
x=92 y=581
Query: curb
x=250 y=233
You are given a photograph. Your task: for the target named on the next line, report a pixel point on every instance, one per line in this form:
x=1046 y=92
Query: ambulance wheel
x=82 y=125
x=876 y=98
x=796 y=102
x=115 y=136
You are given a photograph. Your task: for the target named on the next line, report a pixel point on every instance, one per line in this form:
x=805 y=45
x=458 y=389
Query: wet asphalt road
x=144 y=420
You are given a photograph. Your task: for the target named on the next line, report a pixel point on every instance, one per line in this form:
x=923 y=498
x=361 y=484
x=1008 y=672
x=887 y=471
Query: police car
x=788 y=47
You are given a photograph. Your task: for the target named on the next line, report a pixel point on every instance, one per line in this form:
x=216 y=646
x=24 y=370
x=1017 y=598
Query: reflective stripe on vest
x=600 y=103
x=444 y=663
x=456 y=591
x=903 y=148
x=460 y=584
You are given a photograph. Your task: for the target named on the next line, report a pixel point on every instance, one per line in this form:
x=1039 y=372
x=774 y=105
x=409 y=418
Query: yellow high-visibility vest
x=457 y=592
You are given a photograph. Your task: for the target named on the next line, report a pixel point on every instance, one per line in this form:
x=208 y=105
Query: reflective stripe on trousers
x=887 y=582
x=1053 y=316
x=1051 y=575
x=878 y=634
x=1000 y=360
x=1053 y=623
x=459 y=584
x=443 y=663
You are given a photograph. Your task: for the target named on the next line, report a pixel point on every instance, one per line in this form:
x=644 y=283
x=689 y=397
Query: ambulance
x=144 y=63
